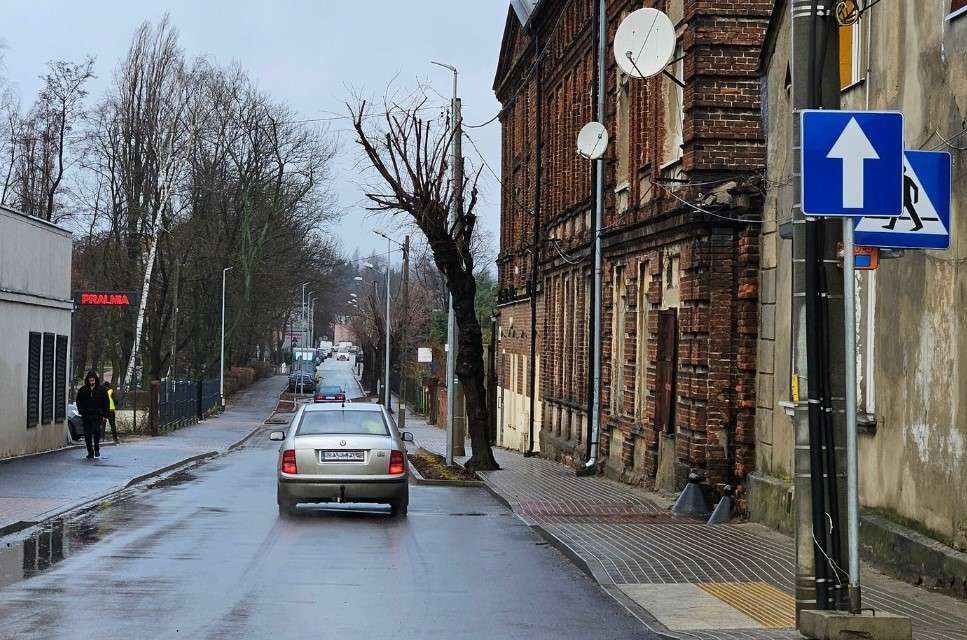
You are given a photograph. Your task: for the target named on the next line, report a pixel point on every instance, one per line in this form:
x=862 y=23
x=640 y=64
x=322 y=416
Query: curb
x=419 y=479
x=20 y=525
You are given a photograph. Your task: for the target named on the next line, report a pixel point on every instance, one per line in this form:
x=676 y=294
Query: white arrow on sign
x=853 y=148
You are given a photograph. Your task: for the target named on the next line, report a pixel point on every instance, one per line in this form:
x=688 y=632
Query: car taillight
x=288 y=462
x=396 y=463
x=318 y=398
x=341 y=396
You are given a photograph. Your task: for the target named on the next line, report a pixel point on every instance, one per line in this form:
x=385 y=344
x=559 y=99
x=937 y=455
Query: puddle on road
x=56 y=540
x=47 y=546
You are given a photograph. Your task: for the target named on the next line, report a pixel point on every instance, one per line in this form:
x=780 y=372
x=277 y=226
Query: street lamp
x=304 y=306
x=221 y=367
x=386 y=391
x=454 y=441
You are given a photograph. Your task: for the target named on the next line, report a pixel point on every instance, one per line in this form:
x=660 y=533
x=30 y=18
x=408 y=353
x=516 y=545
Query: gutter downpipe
x=535 y=251
x=590 y=466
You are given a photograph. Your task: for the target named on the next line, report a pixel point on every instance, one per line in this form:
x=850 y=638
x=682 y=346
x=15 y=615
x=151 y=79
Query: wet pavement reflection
x=204 y=554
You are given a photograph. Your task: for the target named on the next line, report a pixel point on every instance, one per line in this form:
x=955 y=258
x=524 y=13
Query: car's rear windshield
x=329 y=391
x=319 y=423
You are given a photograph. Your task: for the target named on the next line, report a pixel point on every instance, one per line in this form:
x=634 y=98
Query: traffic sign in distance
x=852 y=163
x=925 y=221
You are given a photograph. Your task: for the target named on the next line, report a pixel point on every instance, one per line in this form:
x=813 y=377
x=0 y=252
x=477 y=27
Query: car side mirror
x=277 y=436
x=407 y=436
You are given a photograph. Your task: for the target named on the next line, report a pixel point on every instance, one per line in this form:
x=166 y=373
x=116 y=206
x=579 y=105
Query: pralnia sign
x=106 y=298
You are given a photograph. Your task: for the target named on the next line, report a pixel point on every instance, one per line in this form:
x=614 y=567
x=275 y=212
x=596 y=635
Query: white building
x=35 y=322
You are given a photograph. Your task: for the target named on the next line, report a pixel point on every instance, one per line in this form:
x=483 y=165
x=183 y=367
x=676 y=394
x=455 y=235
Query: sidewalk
x=35 y=488
x=681 y=578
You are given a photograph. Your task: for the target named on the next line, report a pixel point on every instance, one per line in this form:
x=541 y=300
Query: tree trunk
x=469 y=368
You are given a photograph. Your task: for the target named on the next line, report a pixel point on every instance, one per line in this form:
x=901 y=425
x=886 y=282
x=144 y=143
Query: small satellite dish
x=644 y=43
x=592 y=141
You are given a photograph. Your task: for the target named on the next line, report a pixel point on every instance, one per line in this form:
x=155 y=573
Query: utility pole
x=590 y=465
x=387 y=394
x=174 y=322
x=221 y=361
x=455 y=435
x=405 y=295
x=818 y=342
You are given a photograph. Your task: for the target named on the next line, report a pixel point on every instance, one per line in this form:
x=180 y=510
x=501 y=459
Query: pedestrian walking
x=93 y=404
x=111 y=418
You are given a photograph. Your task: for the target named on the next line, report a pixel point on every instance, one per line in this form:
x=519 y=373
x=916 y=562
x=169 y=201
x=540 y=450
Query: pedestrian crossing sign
x=925 y=220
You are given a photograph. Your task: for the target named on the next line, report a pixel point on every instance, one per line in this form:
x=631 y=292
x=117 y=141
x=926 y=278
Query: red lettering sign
x=105 y=299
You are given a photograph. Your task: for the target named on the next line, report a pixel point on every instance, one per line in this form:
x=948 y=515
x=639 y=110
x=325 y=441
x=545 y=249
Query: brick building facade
x=680 y=238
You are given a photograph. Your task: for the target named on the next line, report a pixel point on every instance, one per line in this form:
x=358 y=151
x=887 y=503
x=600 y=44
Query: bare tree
x=410 y=156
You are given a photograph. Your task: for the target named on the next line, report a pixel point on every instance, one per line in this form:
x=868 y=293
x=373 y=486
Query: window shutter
x=60 y=384
x=33 y=379
x=47 y=396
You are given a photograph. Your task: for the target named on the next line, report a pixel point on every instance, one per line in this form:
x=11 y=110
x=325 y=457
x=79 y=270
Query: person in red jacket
x=93 y=404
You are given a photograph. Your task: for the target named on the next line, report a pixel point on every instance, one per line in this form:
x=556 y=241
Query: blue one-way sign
x=925 y=221
x=852 y=163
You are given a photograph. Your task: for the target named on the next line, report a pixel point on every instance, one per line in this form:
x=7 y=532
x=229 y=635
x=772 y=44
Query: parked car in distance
x=330 y=393
x=75 y=427
x=342 y=453
x=342 y=356
x=302 y=381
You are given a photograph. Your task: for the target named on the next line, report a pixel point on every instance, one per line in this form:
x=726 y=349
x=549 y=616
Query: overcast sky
x=308 y=53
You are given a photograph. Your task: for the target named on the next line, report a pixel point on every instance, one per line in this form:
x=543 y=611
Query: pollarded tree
x=411 y=157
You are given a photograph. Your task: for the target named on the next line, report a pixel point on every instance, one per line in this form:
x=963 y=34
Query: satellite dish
x=592 y=140
x=644 y=43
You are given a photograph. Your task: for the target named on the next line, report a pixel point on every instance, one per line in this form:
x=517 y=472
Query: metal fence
x=183 y=402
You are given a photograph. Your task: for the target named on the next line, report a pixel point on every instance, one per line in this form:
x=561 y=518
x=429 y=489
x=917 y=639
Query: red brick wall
x=722 y=140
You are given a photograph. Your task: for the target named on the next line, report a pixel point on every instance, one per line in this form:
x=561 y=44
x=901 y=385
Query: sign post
x=852 y=166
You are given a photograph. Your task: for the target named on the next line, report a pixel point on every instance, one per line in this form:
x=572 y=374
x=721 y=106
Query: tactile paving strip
x=764 y=603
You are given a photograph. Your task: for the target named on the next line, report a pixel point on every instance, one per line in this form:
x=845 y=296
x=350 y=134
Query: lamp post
x=454 y=439
x=304 y=306
x=221 y=366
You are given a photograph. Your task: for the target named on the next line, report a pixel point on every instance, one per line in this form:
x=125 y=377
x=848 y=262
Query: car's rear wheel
x=287 y=507
x=399 y=506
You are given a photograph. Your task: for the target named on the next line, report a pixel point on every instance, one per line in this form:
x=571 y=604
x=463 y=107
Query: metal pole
x=852 y=464
x=591 y=464
x=221 y=366
x=451 y=320
x=536 y=247
x=405 y=295
x=387 y=394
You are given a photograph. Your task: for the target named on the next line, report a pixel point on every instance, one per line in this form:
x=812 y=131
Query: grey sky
x=309 y=54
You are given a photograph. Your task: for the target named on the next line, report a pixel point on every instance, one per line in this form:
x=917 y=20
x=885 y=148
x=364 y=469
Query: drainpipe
x=536 y=249
x=590 y=467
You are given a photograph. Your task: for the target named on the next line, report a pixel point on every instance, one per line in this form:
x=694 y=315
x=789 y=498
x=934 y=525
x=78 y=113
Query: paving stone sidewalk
x=686 y=579
x=35 y=487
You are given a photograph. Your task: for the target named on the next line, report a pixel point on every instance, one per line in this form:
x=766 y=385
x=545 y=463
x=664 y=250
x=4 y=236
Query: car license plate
x=342 y=456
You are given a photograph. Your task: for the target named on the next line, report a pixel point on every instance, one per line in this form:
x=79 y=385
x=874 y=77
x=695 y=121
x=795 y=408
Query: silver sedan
x=347 y=452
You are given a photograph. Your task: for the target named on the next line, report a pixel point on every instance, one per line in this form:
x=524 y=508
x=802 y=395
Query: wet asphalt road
x=204 y=554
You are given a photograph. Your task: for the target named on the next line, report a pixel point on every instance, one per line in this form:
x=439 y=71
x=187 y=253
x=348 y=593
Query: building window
x=674 y=98
x=850 y=59
x=957 y=8
x=620 y=308
x=33 y=379
x=641 y=342
x=566 y=329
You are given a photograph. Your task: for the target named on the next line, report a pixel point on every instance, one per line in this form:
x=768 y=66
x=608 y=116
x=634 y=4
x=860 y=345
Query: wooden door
x=666 y=367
